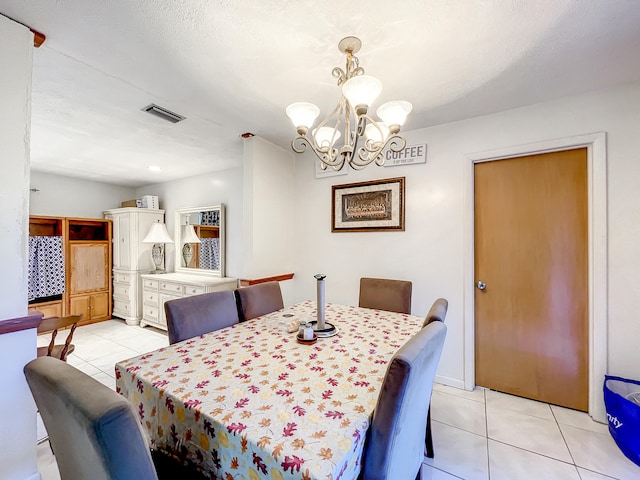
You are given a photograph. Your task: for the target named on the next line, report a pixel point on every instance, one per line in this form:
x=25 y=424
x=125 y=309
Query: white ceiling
x=232 y=66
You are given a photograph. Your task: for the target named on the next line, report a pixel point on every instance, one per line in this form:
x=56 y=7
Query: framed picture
x=374 y=206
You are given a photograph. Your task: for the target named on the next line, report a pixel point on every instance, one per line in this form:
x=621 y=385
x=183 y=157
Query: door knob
x=481 y=285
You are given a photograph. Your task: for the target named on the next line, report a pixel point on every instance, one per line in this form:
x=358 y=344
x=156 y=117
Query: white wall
x=17 y=410
x=430 y=252
x=268 y=212
x=74 y=197
x=223 y=186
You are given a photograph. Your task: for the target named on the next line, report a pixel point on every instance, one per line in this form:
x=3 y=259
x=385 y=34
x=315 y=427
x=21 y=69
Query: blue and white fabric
x=210 y=253
x=46 y=273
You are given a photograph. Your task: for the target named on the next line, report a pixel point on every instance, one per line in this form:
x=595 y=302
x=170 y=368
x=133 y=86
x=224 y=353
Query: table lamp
x=158 y=235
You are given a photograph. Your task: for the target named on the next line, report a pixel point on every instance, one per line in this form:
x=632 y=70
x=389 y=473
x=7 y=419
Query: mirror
x=199 y=240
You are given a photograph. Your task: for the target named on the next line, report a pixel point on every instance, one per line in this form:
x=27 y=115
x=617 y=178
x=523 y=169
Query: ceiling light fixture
x=350 y=120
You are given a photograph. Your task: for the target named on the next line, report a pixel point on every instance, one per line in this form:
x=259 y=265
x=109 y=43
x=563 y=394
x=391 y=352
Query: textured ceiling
x=232 y=66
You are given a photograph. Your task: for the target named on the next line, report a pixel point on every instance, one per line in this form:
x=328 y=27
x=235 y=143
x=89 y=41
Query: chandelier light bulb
x=325 y=137
x=394 y=112
x=373 y=133
x=302 y=114
x=361 y=91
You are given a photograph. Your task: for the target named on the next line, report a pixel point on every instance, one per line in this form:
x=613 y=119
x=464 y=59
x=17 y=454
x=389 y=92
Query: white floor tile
x=528 y=432
x=589 y=475
x=476 y=395
x=459 y=453
x=105 y=379
x=566 y=416
x=47 y=463
x=97 y=348
x=87 y=368
x=599 y=453
x=458 y=412
x=427 y=472
x=502 y=401
x=507 y=463
x=108 y=363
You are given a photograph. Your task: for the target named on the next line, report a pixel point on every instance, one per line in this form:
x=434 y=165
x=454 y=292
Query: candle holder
x=321 y=328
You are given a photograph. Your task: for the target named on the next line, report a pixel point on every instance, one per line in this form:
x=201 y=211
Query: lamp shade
x=157 y=234
x=302 y=114
x=326 y=136
x=373 y=133
x=189 y=235
x=362 y=90
x=395 y=112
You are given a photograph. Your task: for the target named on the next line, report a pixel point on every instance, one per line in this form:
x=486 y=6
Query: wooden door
x=89 y=267
x=531 y=319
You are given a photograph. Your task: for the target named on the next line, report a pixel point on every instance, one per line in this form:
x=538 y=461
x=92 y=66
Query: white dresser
x=131 y=257
x=157 y=289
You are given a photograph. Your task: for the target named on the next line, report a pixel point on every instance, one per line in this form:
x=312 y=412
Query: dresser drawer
x=193 y=290
x=149 y=283
x=121 y=291
x=124 y=278
x=150 y=297
x=170 y=287
x=150 y=312
x=120 y=307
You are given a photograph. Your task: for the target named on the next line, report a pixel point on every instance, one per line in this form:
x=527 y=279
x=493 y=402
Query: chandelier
x=350 y=119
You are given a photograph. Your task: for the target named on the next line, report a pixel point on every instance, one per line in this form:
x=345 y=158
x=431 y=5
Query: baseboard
x=451 y=382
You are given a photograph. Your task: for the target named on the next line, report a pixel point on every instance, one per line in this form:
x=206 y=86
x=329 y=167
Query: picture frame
x=374 y=206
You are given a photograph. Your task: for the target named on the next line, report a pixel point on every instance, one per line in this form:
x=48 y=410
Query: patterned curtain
x=210 y=253
x=46 y=267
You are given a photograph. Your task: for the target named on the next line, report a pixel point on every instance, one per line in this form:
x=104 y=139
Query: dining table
x=251 y=402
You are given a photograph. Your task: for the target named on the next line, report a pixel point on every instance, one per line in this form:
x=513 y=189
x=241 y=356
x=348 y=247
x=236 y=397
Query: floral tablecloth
x=250 y=402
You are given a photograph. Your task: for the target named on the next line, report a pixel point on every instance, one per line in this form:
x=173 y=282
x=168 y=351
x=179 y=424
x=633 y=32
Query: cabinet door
x=99 y=305
x=80 y=305
x=124 y=242
x=89 y=269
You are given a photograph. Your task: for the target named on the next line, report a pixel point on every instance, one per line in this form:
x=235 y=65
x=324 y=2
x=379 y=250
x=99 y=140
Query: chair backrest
x=395 y=440
x=437 y=312
x=94 y=432
x=53 y=324
x=260 y=299
x=383 y=294
x=190 y=317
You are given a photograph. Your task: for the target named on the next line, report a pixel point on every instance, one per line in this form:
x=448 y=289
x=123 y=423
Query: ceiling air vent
x=168 y=115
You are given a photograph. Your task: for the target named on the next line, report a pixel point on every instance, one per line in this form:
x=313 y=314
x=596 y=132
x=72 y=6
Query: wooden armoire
x=87 y=261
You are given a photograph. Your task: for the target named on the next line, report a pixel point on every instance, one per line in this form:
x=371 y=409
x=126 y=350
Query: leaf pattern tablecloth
x=250 y=402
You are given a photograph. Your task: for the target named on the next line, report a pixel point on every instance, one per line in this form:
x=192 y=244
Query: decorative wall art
x=373 y=206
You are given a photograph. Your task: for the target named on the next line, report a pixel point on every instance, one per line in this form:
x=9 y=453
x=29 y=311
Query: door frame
x=597 y=253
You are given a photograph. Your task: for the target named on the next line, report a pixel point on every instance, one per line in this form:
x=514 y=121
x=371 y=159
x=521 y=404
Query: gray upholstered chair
x=383 y=294
x=94 y=432
x=193 y=316
x=436 y=313
x=260 y=299
x=394 y=447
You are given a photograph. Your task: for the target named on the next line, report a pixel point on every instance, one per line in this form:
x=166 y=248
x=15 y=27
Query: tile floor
x=479 y=435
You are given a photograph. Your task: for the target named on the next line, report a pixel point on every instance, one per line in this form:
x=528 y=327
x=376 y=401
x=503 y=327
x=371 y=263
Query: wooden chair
x=193 y=316
x=94 y=432
x=53 y=324
x=395 y=439
x=383 y=294
x=257 y=300
x=436 y=313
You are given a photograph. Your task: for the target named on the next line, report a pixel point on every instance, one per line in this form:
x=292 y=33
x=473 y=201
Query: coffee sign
x=407 y=156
